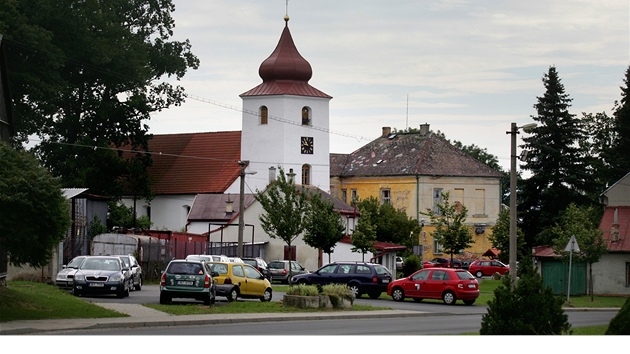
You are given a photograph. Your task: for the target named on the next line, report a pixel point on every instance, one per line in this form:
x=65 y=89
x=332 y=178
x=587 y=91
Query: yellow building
x=411 y=171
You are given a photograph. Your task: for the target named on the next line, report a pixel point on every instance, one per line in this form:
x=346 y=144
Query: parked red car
x=443 y=262
x=482 y=267
x=447 y=284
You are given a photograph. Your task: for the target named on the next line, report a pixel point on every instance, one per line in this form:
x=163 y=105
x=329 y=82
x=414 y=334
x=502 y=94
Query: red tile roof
x=379 y=246
x=194 y=163
x=607 y=224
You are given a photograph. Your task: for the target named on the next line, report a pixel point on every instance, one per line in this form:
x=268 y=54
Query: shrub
x=528 y=309
x=336 y=292
x=620 y=324
x=412 y=264
x=303 y=290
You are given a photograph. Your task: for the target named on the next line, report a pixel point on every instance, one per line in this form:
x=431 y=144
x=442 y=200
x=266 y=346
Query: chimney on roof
x=424 y=129
x=272 y=174
x=386 y=131
x=229 y=205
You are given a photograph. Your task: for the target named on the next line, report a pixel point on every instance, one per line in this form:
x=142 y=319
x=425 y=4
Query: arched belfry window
x=264 y=115
x=306 y=175
x=306 y=116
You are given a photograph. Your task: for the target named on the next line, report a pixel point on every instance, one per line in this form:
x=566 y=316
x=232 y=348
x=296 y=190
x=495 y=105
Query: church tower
x=286 y=121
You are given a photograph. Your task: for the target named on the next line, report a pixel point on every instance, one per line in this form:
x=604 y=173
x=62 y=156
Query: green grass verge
x=22 y=300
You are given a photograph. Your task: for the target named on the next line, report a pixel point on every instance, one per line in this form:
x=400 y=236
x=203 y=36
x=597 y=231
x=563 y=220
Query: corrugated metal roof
x=607 y=224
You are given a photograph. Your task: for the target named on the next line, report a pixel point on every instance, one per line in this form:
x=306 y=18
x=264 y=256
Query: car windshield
x=101 y=264
x=185 y=268
x=381 y=270
x=276 y=265
x=465 y=275
x=76 y=262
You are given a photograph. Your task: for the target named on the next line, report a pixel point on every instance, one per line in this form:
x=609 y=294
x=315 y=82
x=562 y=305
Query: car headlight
x=79 y=277
x=116 y=277
x=61 y=277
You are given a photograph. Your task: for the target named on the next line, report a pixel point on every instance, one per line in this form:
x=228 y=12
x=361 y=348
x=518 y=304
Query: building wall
x=278 y=142
x=481 y=196
x=610 y=274
x=168 y=212
x=619 y=193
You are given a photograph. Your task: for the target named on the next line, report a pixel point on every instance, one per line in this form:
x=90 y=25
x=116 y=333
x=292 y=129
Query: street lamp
x=241 y=207
x=513 y=131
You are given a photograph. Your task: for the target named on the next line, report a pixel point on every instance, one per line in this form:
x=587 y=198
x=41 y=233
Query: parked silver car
x=101 y=275
x=66 y=275
x=135 y=271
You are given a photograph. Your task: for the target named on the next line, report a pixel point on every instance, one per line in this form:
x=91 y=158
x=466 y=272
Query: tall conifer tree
x=556 y=161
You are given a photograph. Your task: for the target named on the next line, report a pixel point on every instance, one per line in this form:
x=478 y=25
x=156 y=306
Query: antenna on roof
x=407 y=118
x=286 y=14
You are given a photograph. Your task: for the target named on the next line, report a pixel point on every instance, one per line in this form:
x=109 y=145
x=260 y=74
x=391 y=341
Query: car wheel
x=302 y=282
x=76 y=292
x=449 y=298
x=469 y=302
x=139 y=285
x=121 y=293
x=209 y=300
x=374 y=295
x=266 y=296
x=233 y=295
x=356 y=290
x=398 y=294
x=479 y=274
x=165 y=299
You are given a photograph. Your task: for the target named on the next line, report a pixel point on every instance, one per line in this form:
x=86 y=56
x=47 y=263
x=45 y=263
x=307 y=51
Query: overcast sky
x=469 y=68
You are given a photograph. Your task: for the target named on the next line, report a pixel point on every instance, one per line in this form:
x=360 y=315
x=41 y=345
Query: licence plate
x=96 y=285
x=385 y=281
x=182 y=282
x=472 y=286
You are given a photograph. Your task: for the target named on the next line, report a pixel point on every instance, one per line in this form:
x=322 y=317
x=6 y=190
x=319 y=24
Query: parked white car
x=65 y=277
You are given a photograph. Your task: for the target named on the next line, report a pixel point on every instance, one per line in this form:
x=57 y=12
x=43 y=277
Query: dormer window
x=306 y=116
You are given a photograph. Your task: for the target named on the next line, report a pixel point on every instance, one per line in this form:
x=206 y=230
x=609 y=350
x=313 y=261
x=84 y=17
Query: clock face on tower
x=306 y=146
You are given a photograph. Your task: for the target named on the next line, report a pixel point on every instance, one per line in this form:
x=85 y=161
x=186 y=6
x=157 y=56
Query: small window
x=354 y=196
x=306 y=116
x=437 y=200
x=386 y=196
x=306 y=175
x=437 y=247
x=264 y=115
x=344 y=195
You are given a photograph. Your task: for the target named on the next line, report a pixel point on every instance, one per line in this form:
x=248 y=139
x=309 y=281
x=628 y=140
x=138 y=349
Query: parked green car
x=187 y=279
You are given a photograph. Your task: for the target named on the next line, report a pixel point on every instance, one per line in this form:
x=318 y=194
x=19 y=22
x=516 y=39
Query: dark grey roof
x=409 y=155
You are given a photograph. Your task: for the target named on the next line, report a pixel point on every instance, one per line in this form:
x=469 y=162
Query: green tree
x=392 y=225
x=529 y=309
x=450 y=228
x=581 y=222
x=121 y=216
x=364 y=234
x=324 y=227
x=85 y=78
x=34 y=214
x=285 y=209
x=500 y=237
x=620 y=324
x=618 y=157
x=556 y=161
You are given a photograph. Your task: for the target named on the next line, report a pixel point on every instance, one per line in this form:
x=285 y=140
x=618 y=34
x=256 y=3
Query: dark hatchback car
x=260 y=266
x=440 y=262
x=361 y=277
x=279 y=270
x=189 y=280
x=100 y=275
